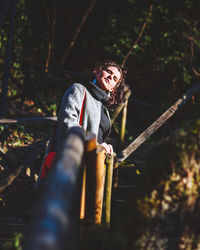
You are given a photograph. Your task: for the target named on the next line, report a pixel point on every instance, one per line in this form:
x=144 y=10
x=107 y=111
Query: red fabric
x=48 y=160
x=81 y=116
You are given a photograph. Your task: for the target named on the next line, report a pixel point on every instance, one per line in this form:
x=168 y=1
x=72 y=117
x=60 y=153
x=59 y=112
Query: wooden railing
x=73 y=195
x=55 y=219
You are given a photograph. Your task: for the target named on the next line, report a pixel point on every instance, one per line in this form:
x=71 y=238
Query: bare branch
x=78 y=30
x=47 y=14
x=139 y=36
x=32 y=156
x=195 y=71
x=51 y=41
x=10 y=178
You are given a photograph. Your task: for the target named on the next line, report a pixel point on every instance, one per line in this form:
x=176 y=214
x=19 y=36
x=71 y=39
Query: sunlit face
x=108 y=78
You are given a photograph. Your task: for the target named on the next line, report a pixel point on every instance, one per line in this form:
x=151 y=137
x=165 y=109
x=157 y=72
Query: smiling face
x=108 y=78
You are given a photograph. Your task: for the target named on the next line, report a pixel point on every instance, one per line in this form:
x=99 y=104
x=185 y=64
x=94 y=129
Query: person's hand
x=108 y=148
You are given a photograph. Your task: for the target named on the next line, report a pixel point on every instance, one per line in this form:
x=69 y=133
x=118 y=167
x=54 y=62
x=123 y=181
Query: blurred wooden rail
x=73 y=196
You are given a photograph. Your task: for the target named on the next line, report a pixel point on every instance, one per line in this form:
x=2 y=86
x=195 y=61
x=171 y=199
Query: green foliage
x=14 y=243
x=165 y=58
x=15 y=135
x=166 y=207
x=53 y=108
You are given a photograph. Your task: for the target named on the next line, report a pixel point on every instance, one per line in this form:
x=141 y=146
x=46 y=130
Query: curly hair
x=116 y=96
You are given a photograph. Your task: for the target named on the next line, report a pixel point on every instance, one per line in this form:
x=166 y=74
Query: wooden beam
x=33 y=119
x=158 y=123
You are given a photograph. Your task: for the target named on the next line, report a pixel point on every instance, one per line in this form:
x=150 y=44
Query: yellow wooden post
x=90 y=161
x=82 y=203
x=100 y=183
x=109 y=176
x=123 y=122
x=95 y=178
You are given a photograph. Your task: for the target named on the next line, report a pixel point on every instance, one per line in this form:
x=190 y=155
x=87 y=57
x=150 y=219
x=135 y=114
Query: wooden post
x=116 y=113
x=120 y=107
x=123 y=122
x=90 y=161
x=114 y=208
x=100 y=183
x=109 y=175
x=115 y=172
x=95 y=176
x=82 y=203
x=90 y=146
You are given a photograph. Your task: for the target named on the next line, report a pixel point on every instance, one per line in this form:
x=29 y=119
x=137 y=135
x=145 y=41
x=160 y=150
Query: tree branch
x=139 y=36
x=31 y=157
x=47 y=14
x=78 y=30
x=10 y=178
x=51 y=41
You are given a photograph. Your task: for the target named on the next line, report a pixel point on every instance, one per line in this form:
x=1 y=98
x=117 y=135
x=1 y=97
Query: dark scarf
x=100 y=95
x=97 y=93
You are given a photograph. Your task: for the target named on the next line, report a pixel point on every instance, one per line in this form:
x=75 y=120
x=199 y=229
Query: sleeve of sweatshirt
x=70 y=109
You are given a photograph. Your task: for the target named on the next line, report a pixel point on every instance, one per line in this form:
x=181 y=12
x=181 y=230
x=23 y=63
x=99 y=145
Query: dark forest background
x=55 y=43
x=157 y=41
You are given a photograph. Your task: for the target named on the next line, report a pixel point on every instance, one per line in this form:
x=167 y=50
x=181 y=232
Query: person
x=86 y=105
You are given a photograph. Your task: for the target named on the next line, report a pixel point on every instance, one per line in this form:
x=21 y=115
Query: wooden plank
x=33 y=119
x=158 y=123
